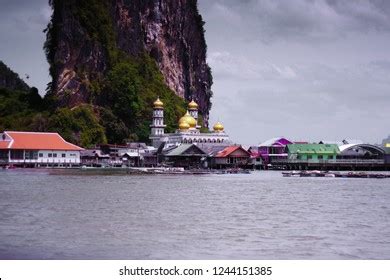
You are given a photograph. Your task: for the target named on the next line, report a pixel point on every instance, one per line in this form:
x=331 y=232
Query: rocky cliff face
x=85 y=38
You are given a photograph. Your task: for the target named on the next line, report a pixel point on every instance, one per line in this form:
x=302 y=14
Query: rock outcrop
x=11 y=80
x=85 y=38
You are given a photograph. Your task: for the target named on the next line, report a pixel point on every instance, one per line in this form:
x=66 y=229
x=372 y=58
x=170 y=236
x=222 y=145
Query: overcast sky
x=306 y=70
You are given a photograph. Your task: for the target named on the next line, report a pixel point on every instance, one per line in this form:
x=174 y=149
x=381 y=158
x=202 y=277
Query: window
x=31 y=154
x=320 y=157
x=309 y=157
x=40 y=155
x=16 y=154
x=3 y=154
x=54 y=155
x=49 y=154
x=63 y=155
x=298 y=156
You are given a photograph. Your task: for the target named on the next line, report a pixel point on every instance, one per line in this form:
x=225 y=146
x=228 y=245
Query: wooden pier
x=337 y=164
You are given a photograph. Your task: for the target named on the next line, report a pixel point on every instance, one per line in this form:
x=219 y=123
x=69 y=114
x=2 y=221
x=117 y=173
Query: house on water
x=312 y=153
x=272 y=149
x=37 y=149
x=231 y=156
x=187 y=156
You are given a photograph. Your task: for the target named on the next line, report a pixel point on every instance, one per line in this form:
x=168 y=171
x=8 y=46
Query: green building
x=312 y=152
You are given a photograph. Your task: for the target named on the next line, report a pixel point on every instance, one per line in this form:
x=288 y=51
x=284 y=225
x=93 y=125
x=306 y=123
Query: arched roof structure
x=361 y=149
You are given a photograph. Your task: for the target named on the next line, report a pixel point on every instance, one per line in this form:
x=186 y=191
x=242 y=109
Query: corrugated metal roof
x=270 y=142
x=229 y=150
x=273 y=141
x=93 y=153
x=212 y=149
x=364 y=146
x=344 y=147
x=136 y=145
x=182 y=148
x=313 y=148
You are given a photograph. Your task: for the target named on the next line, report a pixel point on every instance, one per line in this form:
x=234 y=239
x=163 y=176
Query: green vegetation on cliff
x=131 y=87
x=124 y=95
x=27 y=111
x=120 y=98
x=18 y=108
x=11 y=80
x=19 y=104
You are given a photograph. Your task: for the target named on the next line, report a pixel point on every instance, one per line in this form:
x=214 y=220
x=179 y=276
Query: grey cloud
x=21 y=30
x=227 y=66
x=308 y=70
x=318 y=20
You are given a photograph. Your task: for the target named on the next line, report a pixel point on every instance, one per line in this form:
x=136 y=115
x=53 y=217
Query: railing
x=361 y=161
x=329 y=161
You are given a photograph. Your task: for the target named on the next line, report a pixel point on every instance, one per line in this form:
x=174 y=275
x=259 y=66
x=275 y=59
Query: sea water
x=263 y=215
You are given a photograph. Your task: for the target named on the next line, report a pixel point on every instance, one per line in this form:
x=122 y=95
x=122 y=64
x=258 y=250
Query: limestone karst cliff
x=90 y=41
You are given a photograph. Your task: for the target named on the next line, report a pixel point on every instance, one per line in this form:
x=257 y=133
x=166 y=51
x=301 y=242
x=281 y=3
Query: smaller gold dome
x=184 y=126
x=218 y=127
x=158 y=104
x=188 y=119
x=192 y=105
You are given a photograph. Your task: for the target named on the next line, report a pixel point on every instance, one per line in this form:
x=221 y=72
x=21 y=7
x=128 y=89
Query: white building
x=37 y=149
x=188 y=131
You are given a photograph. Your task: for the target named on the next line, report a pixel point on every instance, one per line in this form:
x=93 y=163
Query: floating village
x=188 y=150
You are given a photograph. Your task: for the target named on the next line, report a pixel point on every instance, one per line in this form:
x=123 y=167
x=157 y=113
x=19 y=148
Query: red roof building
x=20 y=140
x=232 y=156
x=32 y=148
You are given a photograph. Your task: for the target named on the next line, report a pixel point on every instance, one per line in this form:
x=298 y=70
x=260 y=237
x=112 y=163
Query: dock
x=317 y=173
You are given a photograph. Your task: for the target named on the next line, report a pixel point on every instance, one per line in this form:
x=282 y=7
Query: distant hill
x=19 y=104
x=11 y=80
x=23 y=109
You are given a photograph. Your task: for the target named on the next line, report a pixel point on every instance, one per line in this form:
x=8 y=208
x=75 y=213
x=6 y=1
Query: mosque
x=188 y=131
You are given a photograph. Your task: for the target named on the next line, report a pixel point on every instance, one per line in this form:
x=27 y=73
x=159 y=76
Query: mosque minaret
x=193 y=111
x=188 y=128
x=158 y=127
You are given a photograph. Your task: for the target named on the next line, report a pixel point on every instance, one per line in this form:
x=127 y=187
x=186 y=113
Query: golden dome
x=192 y=105
x=158 y=104
x=218 y=127
x=184 y=126
x=188 y=119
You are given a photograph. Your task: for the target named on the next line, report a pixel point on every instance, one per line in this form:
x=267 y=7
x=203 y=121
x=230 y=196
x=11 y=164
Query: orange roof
x=228 y=150
x=4 y=144
x=39 y=141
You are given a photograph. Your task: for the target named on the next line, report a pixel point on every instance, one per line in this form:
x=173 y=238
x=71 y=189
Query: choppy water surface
x=258 y=216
